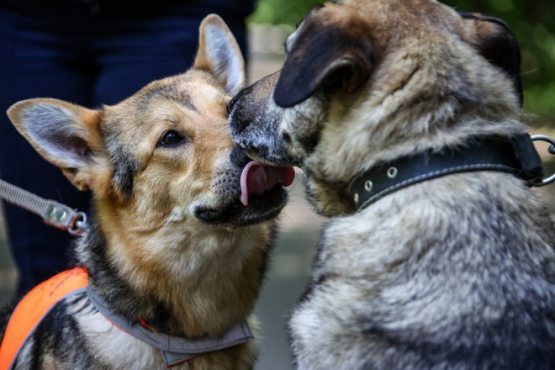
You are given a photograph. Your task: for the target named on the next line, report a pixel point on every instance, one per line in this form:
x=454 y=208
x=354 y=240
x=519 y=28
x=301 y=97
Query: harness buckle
x=65 y=218
x=551 y=150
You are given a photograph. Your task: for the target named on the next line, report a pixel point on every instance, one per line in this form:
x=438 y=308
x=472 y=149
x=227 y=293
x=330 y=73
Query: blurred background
x=534 y=26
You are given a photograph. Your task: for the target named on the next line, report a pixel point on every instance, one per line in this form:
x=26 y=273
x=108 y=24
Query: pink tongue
x=258 y=178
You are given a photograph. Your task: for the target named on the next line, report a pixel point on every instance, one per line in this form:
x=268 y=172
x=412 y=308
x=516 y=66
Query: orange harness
x=34 y=307
x=38 y=302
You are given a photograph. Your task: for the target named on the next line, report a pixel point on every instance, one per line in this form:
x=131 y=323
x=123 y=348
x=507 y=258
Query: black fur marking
x=54 y=331
x=169 y=92
x=124 y=172
x=309 y=143
x=125 y=165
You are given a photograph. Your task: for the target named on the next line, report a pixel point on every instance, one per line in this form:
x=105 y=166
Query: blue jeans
x=89 y=52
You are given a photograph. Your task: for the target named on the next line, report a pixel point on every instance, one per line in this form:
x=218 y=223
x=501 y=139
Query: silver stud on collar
x=356 y=198
x=392 y=172
x=368 y=185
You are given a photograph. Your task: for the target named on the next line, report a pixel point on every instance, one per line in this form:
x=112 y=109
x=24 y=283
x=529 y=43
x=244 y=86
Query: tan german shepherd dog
x=455 y=272
x=180 y=232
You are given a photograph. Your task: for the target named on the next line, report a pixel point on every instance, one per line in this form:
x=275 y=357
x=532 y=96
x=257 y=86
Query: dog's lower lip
x=208 y=215
x=264 y=207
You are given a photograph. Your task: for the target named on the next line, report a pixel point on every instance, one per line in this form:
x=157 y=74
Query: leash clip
x=551 y=150
x=65 y=218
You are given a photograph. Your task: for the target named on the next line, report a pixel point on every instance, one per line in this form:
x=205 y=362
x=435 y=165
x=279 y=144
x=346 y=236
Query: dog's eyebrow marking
x=187 y=103
x=171 y=92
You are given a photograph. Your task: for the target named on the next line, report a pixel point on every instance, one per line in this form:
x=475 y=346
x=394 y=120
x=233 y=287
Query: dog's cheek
x=303 y=124
x=101 y=181
x=330 y=201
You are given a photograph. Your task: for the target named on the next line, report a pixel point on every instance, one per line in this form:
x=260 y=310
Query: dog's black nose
x=238 y=157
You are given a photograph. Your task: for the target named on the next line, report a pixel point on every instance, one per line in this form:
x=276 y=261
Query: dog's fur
x=169 y=242
x=453 y=273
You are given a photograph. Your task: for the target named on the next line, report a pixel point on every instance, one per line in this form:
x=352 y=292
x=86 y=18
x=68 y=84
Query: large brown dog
x=456 y=272
x=170 y=244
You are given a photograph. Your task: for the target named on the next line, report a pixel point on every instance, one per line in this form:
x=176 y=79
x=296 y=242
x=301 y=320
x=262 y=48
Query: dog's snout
x=240 y=119
x=240 y=124
x=260 y=151
x=239 y=158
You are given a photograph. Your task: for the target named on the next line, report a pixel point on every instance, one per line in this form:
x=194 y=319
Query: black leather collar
x=516 y=155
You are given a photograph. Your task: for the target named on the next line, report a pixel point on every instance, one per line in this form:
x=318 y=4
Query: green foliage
x=534 y=26
x=532 y=22
x=282 y=11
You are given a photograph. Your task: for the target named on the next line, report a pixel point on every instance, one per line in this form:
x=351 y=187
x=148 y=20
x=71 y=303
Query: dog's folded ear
x=325 y=54
x=497 y=43
x=220 y=55
x=64 y=134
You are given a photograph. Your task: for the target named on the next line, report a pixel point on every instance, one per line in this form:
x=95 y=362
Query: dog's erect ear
x=495 y=41
x=64 y=134
x=219 y=54
x=335 y=56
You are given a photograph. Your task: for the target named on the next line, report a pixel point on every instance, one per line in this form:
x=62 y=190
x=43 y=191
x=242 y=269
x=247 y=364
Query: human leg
x=32 y=64
x=135 y=48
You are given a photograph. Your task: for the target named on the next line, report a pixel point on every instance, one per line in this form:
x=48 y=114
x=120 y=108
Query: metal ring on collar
x=551 y=150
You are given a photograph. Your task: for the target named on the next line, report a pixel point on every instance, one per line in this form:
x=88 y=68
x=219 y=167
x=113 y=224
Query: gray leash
x=53 y=213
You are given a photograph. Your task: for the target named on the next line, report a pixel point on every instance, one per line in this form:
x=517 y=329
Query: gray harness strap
x=174 y=349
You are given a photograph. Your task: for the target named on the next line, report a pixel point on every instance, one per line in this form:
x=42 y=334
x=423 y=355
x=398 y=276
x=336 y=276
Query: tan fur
x=207 y=276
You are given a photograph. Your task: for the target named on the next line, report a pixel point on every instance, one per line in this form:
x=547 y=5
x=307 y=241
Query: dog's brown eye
x=171 y=139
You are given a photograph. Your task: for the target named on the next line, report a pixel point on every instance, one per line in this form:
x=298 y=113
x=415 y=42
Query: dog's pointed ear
x=497 y=43
x=325 y=54
x=220 y=55
x=66 y=135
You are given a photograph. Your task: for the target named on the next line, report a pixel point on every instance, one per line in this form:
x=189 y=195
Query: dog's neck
x=329 y=178
x=194 y=296
x=515 y=155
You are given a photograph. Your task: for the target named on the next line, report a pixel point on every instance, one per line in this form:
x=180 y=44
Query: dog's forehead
x=164 y=100
x=385 y=13
x=192 y=91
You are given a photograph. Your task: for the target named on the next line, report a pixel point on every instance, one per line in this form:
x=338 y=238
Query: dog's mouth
x=258 y=178
x=262 y=196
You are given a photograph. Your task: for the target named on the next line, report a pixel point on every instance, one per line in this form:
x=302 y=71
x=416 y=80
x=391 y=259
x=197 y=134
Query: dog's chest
x=114 y=346
x=361 y=244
